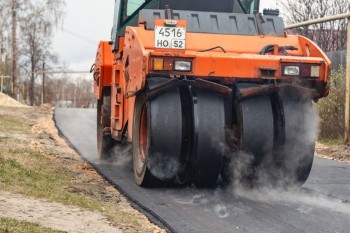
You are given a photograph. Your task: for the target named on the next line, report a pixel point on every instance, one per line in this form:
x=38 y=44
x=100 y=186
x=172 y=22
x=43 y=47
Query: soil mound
x=7 y=101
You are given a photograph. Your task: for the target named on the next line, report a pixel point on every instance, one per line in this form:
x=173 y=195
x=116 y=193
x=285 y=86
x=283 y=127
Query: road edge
x=152 y=216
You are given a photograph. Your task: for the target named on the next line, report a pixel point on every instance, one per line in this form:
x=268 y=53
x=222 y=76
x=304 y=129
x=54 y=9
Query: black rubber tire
x=208 y=138
x=233 y=138
x=227 y=173
x=258 y=127
x=300 y=136
x=142 y=175
x=161 y=150
x=257 y=140
x=105 y=143
x=276 y=146
x=184 y=174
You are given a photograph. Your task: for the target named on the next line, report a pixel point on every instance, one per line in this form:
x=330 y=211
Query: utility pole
x=1 y=83
x=14 y=46
x=347 y=93
x=43 y=85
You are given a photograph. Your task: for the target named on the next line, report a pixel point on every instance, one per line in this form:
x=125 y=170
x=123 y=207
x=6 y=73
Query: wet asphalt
x=321 y=205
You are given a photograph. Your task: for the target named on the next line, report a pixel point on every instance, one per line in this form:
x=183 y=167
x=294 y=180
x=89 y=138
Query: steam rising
x=272 y=182
x=290 y=161
x=120 y=155
x=211 y=201
x=199 y=199
x=163 y=167
x=221 y=211
x=306 y=201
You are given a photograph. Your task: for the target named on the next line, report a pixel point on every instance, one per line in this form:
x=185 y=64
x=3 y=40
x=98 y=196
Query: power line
x=78 y=36
x=63 y=72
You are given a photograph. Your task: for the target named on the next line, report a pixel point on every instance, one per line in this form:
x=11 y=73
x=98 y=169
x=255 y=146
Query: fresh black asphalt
x=322 y=205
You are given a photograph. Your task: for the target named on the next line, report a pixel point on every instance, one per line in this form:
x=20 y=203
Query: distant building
x=64 y=104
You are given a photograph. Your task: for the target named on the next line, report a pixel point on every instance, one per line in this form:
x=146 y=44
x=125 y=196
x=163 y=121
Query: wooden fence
x=338 y=59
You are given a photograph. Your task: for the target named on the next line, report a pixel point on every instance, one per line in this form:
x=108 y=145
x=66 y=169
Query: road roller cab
x=196 y=87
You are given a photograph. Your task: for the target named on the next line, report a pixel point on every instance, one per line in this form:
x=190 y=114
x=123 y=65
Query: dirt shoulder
x=53 y=215
x=333 y=152
x=42 y=180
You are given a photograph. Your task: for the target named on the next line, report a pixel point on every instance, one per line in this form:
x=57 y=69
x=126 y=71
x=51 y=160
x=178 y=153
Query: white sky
x=268 y=4
x=92 y=20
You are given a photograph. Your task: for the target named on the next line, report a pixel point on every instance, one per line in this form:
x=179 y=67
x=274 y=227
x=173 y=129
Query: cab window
x=250 y=5
x=128 y=8
x=132 y=6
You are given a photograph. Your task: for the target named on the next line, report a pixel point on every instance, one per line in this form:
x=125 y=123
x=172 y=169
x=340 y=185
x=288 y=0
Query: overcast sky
x=86 y=23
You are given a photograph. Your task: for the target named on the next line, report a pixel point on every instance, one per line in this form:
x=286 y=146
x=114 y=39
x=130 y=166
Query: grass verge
x=26 y=171
x=34 y=162
x=332 y=142
x=8 y=225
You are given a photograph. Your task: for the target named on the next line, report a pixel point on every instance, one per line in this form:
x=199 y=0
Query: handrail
x=321 y=20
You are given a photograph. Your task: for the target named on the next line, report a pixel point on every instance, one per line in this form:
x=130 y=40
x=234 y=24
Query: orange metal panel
x=231 y=43
x=135 y=62
x=241 y=58
x=103 y=67
x=122 y=108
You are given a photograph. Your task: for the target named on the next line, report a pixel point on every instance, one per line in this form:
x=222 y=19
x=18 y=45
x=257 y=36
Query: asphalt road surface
x=322 y=205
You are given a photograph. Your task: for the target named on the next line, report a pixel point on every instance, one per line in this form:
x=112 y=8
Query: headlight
x=183 y=66
x=302 y=70
x=291 y=70
x=170 y=64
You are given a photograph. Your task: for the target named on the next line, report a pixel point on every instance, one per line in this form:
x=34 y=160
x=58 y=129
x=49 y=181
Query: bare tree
x=4 y=37
x=330 y=36
x=34 y=23
x=68 y=92
x=37 y=31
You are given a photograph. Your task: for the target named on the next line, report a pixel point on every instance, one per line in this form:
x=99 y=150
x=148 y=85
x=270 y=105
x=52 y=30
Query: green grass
x=13 y=226
x=33 y=170
x=28 y=172
x=12 y=125
x=332 y=142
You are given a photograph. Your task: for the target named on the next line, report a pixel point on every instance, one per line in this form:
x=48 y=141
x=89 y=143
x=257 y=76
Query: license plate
x=170 y=37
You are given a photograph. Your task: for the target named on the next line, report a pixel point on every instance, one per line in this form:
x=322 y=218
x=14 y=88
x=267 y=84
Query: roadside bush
x=332 y=108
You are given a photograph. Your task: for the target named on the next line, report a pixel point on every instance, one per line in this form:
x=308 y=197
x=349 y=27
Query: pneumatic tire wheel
x=301 y=134
x=209 y=142
x=105 y=142
x=157 y=137
x=142 y=175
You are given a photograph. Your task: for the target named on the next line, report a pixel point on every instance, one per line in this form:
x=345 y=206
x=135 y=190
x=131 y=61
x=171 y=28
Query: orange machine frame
x=126 y=71
x=103 y=68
